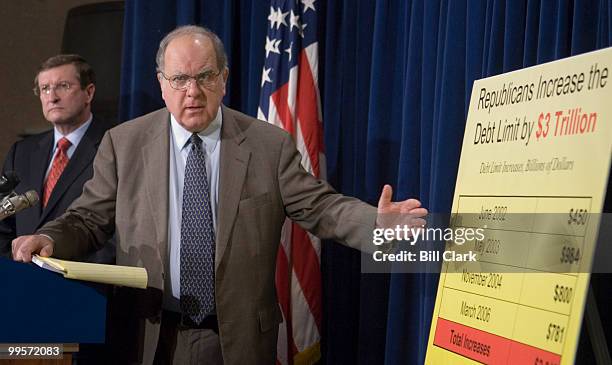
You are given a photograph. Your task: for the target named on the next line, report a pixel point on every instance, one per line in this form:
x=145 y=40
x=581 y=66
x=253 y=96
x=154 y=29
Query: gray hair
x=192 y=30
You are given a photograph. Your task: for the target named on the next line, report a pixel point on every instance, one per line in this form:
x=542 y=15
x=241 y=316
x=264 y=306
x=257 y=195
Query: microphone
x=8 y=181
x=14 y=203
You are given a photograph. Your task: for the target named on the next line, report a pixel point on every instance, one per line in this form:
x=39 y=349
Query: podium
x=41 y=307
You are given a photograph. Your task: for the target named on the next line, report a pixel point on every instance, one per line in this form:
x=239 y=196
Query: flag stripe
x=307 y=113
x=305 y=330
x=283 y=113
x=307 y=270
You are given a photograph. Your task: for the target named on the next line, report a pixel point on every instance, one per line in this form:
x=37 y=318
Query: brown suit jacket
x=261 y=183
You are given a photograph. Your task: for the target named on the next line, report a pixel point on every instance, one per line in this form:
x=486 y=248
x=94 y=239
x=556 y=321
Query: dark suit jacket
x=30 y=158
x=261 y=183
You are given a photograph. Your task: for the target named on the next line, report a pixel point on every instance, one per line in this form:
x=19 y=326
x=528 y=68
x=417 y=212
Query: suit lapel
x=156 y=157
x=81 y=159
x=39 y=161
x=234 y=160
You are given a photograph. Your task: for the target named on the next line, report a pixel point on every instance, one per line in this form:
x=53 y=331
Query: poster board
x=532 y=177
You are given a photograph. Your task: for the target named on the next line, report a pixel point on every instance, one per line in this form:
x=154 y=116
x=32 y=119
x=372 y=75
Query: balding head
x=192 y=30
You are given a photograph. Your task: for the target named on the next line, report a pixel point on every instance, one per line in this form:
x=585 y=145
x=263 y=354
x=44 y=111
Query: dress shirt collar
x=210 y=136
x=75 y=136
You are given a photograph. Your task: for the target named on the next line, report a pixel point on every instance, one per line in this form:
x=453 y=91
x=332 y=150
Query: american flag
x=290 y=100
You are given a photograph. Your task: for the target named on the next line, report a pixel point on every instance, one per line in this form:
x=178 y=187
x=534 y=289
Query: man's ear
x=90 y=90
x=225 y=75
x=161 y=79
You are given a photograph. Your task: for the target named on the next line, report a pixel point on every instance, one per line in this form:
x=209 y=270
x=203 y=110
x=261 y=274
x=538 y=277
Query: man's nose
x=193 y=89
x=53 y=96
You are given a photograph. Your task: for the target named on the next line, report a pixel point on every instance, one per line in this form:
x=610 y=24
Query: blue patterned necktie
x=197 y=238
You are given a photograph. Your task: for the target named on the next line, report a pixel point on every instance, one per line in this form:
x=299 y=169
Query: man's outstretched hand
x=405 y=213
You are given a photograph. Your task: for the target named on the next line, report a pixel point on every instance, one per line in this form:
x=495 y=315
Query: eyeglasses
x=206 y=79
x=61 y=88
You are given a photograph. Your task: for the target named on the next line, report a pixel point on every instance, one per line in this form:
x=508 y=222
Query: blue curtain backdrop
x=395 y=79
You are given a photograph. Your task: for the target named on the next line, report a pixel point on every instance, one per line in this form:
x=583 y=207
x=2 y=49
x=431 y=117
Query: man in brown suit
x=253 y=180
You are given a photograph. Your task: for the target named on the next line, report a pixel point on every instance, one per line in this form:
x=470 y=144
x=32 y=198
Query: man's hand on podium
x=25 y=246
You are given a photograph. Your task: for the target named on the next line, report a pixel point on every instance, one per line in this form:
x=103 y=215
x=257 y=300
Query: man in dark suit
x=197 y=193
x=56 y=163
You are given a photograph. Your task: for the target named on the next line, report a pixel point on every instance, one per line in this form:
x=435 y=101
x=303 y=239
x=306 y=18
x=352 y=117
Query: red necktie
x=59 y=164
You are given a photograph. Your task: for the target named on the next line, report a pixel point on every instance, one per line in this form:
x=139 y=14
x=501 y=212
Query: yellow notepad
x=135 y=277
